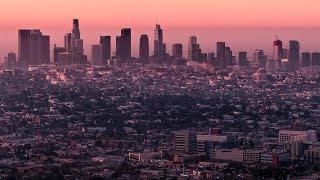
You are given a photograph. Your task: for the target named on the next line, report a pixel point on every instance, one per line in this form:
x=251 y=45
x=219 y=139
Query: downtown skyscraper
x=123 y=45
x=105 y=41
x=144 y=48
x=177 y=50
x=159 y=47
x=293 y=56
x=243 y=59
x=221 y=54
x=97 y=55
x=33 y=47
x=193 y=48
x=73 y=45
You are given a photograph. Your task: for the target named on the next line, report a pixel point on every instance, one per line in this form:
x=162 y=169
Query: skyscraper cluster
x=73 y=52
x=34 y=49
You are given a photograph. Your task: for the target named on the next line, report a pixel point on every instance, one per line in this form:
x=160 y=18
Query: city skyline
x=242 y=29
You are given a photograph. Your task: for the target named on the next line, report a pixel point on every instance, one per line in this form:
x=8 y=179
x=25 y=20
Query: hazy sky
x=54 y=17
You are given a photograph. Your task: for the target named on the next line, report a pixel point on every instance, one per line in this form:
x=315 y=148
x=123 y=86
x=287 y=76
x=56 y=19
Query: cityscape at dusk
x=145 y=89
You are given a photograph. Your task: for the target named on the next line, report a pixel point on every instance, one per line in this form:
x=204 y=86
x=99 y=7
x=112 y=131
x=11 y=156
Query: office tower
x=45 y=50
x=315 y=59
x=65 y=58
x=144 y=48
x=56 y=51
x=221 y=54
x=123 y=45
x=126 y=42
x=77 y=46
x=277 y=50
x=33 y=47
x=185 y=141
x=24 y=46
x=305 y=59
x=11 y=60
x=177 y=50
x=75 y=29
x=73 y=45
x=105 y=41
x=97 y=55
x=259 y=58
x=192 y=48
x=243 y=58
x=228 y=56
x=159 y=47
x=119 y=47
x=35 y=38
x=277 y=53
x=293 y=56
x=195 y=52
x=67 y=42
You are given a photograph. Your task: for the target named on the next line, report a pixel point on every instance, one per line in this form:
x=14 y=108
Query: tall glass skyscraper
x=293 y=56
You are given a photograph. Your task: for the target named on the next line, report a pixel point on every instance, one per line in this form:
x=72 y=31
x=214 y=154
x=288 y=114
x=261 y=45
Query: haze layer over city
x=164 y=89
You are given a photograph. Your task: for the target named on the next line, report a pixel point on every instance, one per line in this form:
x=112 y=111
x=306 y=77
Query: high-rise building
x=221 y=54
x=33 y=47
x=192 y=48
x=24 y=46
x=277 y=50
x=259 y=58
x=11 y=60
x=119 y=50
x=305 y=59
x=123 y=45
x=293 y=56
x=75 y=29
x=45 y=50
x=73 y=45
x=105 y=41
x=228 y=56
x=126 y=42
x=67 y=42
x=159 y=47
x=56 y=51
x=97 y=55
x=315 y=59
x=196 y=52
x=65 y=58
x=243 y=58
x=185 y=141
x=144 y=48
x=177 y=50
x=277 y=53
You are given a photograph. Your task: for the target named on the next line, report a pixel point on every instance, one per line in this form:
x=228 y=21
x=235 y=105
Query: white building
x=287 y=136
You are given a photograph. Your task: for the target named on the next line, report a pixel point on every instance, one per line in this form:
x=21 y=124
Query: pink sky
x=56 y=13
x=179 y=18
